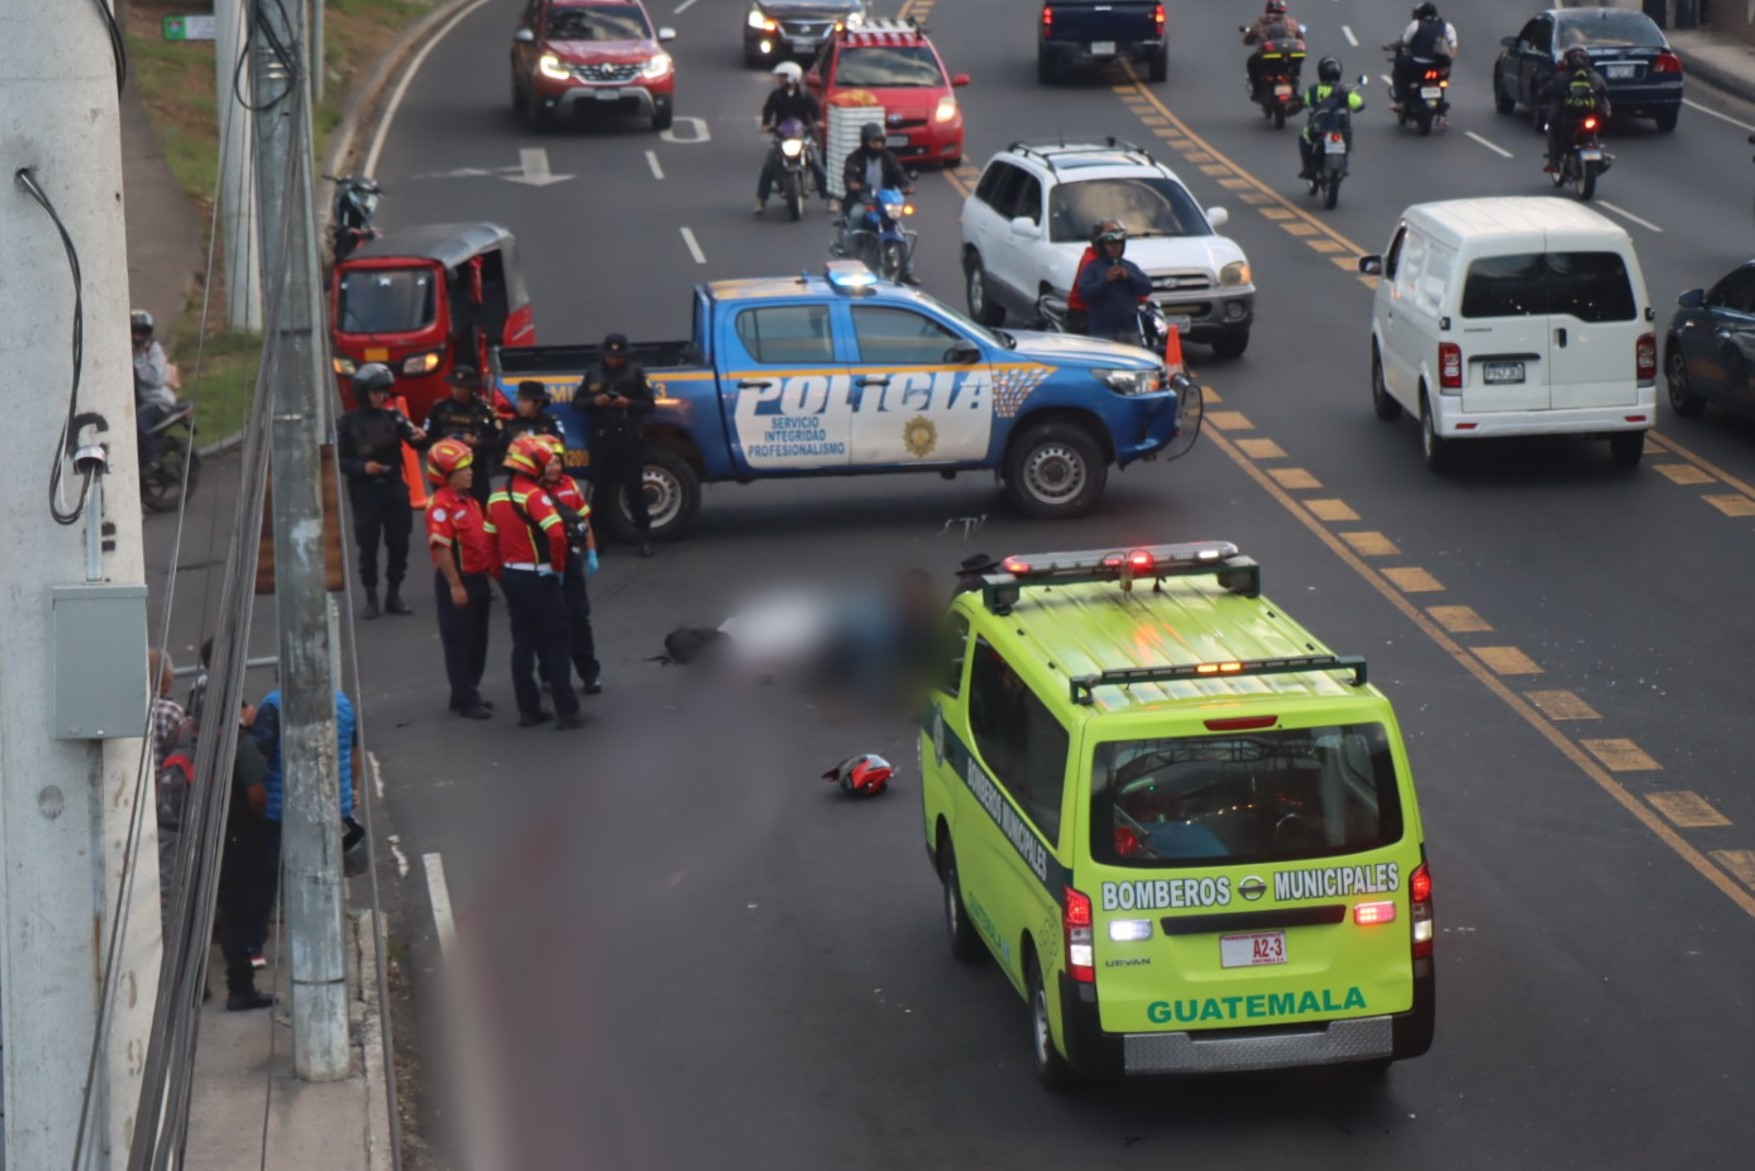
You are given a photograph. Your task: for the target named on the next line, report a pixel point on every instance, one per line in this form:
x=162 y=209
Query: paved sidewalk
x=165 y=257
x=1721 y=61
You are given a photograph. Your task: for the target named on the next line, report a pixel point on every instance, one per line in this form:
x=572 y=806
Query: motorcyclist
x=1274 y=24
x=867 y=171
x=1326 y=95
x=1428 y=40
x=1112 y=287
x=155 y=394
x=1575 y=92
x=789 y=101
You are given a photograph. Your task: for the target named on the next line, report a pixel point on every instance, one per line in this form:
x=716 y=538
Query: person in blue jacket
x=1112 y=287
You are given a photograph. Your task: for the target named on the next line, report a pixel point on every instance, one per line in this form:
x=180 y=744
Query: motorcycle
x=796 y=149
x=1153 y=325
x=1584 y=160
x=878 y=236
x=350 y=216
x=1277 y=91
x=1333 y=132
x=163 y=488
x=1427 y=102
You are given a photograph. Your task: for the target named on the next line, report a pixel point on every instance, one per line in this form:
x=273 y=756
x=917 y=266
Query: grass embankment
x=179 y=84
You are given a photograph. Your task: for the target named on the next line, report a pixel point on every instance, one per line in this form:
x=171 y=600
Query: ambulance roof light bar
x=852 y=277
x=1085 y=685
x=1239 y=574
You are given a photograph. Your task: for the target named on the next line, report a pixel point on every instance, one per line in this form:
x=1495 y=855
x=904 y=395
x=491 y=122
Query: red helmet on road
x=862 y=776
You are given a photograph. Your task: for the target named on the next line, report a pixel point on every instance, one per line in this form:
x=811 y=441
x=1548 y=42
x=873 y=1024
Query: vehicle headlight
x=656 y=66
x=947 y=109
x=759 y=19
x=1131 y=381
x=423 y=363
x=791 y=147
x=855 y=19
x=551 y=66
x=1234 y=274
x=343 y=366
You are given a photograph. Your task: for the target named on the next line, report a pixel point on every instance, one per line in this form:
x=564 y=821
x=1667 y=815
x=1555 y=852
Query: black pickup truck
x=1096 y=32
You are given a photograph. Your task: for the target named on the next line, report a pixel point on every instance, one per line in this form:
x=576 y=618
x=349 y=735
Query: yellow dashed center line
x=1294 y=478
x=1331 y=510
x=1229 y=421
x=1261 y=449
x=1682 y=473
x=1368 y=544
x=1740 y=863
x=1732 y=505
x=1688 y=810
x=1562 y=705
x=1410 y=580
x=1459 y=619
x=1508 y=660
x=1622 y=756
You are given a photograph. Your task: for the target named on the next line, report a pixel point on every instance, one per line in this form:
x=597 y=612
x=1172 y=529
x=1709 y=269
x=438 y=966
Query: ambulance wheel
x=1055 y=471
x=966 y=946
x=1051 y=1068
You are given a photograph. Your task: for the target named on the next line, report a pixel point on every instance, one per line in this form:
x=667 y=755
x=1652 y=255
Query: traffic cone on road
x=412 y=474
x=1173 y=351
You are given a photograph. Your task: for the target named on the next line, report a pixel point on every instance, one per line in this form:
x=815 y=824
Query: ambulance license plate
x=1252 y=951
x=1502 y=372
x=1102 y=48
x=1620 y=73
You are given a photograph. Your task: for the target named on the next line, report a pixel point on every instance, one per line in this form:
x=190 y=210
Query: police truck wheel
x=1051 y=1068
x=1160 y=67
x=1047 y=72
x=1055 y=471
x=966 y=946
x=673 y=493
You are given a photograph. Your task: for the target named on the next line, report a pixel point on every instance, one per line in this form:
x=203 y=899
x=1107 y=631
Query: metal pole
x=65 y=804
x=237 y=193
x=319 y=50
x=311 y=887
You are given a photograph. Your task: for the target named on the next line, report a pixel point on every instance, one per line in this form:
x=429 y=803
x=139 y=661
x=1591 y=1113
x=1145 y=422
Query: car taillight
x=1450 y=366
x=1667 y=62
x=1645 y=358
x=1047 y=19
x=1075 y=919
x=1420 y=898
x=1158 y=17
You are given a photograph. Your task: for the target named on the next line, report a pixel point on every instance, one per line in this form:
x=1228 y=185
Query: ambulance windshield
x=1269 y=796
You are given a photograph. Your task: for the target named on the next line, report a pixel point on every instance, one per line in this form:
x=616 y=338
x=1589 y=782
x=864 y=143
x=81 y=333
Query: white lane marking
x=395 y=843
x=1347 y=31
x=377 y=774
x=439 y=894
x=694 y=246
x=1387 y=79
x=1627 y=215
x=482 y=1132
x=652 y=161
x=698 y=131
x=1712 y=113
x=1498 y=150
x=383 y=130
x=684 y=6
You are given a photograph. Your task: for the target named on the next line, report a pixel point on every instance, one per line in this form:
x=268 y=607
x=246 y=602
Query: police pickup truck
x=844 y=374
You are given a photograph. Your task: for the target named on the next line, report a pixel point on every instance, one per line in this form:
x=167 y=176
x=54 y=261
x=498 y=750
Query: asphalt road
x=689 y=948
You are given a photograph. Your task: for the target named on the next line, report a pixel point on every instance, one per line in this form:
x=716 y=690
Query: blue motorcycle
x=877 y=235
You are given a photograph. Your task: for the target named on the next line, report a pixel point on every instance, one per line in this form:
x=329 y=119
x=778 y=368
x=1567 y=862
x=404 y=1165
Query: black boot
x=371 y=610
x=393 y=602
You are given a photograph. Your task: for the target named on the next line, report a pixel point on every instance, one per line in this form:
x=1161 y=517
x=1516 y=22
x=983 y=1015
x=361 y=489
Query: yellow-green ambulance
x=1185 y=828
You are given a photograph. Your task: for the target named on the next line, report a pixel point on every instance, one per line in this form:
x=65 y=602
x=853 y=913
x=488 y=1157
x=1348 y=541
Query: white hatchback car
x=1030 y=220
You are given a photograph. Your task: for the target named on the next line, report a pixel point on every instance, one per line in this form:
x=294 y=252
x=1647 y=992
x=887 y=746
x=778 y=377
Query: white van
x=1513 y=316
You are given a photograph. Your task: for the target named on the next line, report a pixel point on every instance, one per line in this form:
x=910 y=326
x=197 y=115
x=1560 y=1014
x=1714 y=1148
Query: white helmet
x=791 y=71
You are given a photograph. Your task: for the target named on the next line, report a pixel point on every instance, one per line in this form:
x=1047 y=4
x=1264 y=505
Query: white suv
x=1030 y=220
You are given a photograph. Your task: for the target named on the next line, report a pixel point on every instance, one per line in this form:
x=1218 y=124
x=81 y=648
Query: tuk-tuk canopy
x=451 y=245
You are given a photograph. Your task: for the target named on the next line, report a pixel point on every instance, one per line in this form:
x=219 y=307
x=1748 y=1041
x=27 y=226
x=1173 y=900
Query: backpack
x=172 y=785
x=1581 y=93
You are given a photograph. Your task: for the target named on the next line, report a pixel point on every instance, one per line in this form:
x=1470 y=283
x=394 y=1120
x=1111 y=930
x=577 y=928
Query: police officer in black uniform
x=467 y=416
x=616 y=399
x=531 y=419
x=369 y=442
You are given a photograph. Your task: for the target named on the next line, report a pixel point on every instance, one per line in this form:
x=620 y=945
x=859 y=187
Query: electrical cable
x=118 y=46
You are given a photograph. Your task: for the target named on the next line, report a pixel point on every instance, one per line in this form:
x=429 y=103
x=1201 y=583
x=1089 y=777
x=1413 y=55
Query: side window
x=1005 y=189
x=953 y=653
x=986 y=190
x=1440 y=259
x=1736 y=292
x=787 y=335
x=1028 y=200
x=1393 y=257
x=901 y=336
x=1537 y=36
x=1408 y=270
x=1021 y=742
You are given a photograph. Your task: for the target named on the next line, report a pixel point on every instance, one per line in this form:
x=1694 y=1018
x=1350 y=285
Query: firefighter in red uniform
x=576 y=512
x=464 y=555
x=532 y=543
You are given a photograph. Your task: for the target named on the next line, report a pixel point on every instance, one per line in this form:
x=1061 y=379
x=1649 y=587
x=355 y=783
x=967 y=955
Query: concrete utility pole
x=237 y=189
x=66 y=784
x=310 y=890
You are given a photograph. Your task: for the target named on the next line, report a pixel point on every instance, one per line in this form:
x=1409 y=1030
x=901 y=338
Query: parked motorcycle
x=1333 y=131
x=1277 y=91
x=796 y=149
x=350 y=216
x=1584 y=160
x=1427 y=102
x=179 y=464
x=878 y=236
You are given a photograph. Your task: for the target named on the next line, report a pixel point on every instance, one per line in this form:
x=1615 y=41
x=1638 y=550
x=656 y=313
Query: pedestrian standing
x=616 y=399
x=369 y=442
x=466 y=416
x=581 y=563
x=169 y=730
x=531 y=544
x=531 y=417
x=168 y=717
x=463 y=556
x=240 y=867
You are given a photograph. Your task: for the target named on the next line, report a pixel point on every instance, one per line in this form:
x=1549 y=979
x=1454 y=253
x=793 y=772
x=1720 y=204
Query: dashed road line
x=693 y=245
x=1347 y=31
x=1688 y=810
x=1229 y=421
x=1622 y=756
x=1508 y=660
x=1331 y=510
x=1740 y=863
x=1562 y=705
x=1412 y=580
x=1712 y=113
x=1459 y=619
x=1260 y=448
x=1732 y=505
x=1664 y=443
x=1371 y=544
x=1682 y=473
x=1294 y=479
x=1494 y=147
x=1627 y=215
x=652 y=161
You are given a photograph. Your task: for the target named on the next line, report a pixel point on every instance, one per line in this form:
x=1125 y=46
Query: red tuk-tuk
x=424 y=300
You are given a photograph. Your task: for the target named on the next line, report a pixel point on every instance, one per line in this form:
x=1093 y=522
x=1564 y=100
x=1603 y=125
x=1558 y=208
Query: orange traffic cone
x=412 y=472
x=1173 y=351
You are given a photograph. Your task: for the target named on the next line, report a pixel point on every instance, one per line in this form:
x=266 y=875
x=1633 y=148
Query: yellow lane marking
x=1459 y=619
x=1622 y=756
x=1296 y=478
x=1688 y=810
x=1298 y=227
x=1739 y=862
x=1328 y=246
x=1229 y=421
x=1508 y=660
x=1277 y=213
x=1413 y=581
x=1664 y=443
x=1331 y=510
x=1371 y=544
x=1258 y=448
x=1728 y=886
x=1732 y=504
x=1207 y=393
x=1562 y=705
x=1682 y=473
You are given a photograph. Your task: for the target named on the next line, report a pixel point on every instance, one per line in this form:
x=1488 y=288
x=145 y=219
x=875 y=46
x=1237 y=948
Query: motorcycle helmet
x=1328 y=71
x=1276 y=7
x=1576 y=58
x=371 y=376
x=528 y=455
x=871 y=134
x=1427 y=11
x=140 y=321
x=447 y=456
x=791 y=71
x=862 y=776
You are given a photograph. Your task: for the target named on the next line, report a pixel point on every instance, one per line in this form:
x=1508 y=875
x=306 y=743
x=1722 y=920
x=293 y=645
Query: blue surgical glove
x=590 y=562
x=547 y=571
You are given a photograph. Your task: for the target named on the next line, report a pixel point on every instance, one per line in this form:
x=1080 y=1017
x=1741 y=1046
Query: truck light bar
x=1084 y=686
x=850 y=276
x=1237 y=573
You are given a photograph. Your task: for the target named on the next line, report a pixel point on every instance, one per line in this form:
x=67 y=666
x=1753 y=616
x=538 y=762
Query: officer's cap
x=533 y=390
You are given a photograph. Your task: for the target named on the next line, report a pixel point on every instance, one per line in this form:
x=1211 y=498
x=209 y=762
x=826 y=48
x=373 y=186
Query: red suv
x=892 y=65
x=595 y=54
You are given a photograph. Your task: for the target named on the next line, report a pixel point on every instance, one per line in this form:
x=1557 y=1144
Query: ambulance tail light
x=1372 y=914
x=1420 y=895
x=1450 y=372
x=1075 y=920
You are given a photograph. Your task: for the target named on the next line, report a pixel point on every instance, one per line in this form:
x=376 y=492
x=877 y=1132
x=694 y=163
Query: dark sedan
x=1626 y=47
x=795 y=30
x=1710 y=349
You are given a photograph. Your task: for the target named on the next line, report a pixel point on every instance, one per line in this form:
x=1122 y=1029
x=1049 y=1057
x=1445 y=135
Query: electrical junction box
x=99 y=657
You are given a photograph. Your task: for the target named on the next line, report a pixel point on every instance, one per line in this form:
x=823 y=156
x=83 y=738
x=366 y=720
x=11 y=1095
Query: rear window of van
x=1591 y=286
x=1271 y=796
